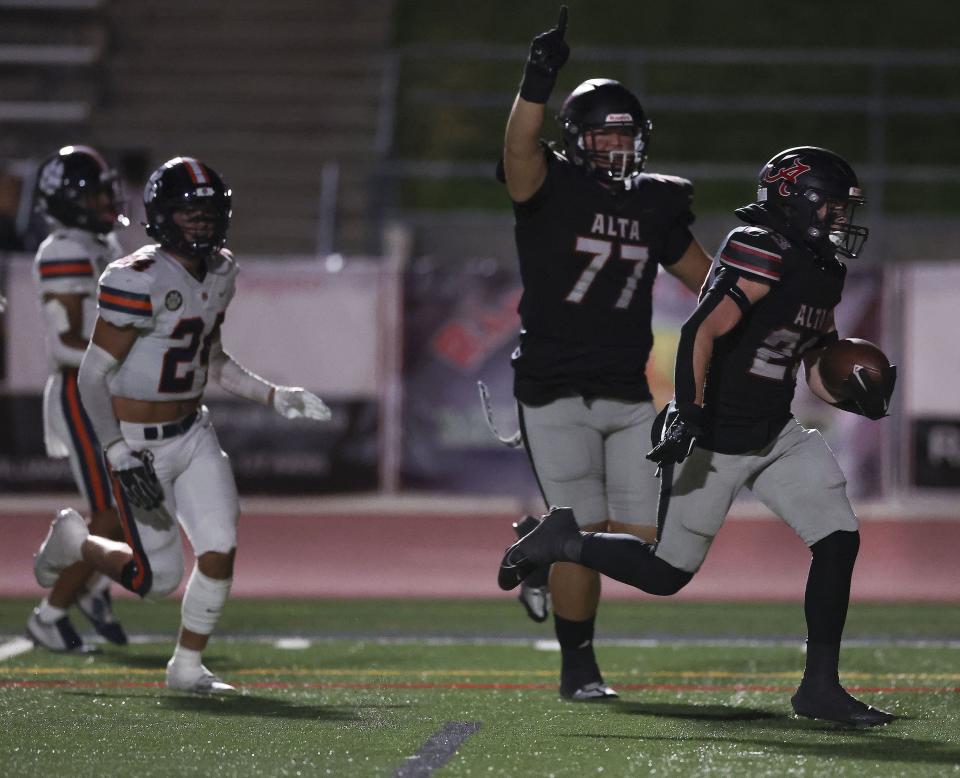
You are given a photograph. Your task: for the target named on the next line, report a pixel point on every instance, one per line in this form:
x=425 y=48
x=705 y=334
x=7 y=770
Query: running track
x=451 y=549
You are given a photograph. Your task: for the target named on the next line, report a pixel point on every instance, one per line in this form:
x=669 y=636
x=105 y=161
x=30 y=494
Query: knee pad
x=839 y=547
x=203 y=602
x=166 y=578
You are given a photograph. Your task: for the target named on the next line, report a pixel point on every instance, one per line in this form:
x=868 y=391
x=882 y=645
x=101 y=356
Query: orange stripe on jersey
x=80 y=267
x=134 y=306
x=76 y=419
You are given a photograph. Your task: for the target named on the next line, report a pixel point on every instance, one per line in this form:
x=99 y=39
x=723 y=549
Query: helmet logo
x=204 y=191
x=618 y=118
x=786 y=174
x=51 y=177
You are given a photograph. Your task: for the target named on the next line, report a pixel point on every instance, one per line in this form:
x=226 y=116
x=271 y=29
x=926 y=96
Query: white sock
x=48 y=613
x=186 y=657
x=98 y=583
x=203 y=602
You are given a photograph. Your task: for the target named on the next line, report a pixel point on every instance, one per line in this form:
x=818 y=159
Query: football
x=839 y=359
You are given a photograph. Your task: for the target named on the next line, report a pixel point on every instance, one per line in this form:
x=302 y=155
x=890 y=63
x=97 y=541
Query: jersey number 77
x=600 y=251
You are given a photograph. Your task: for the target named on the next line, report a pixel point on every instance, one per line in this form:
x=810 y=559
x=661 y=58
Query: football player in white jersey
x=155 y=343
x=78 y=195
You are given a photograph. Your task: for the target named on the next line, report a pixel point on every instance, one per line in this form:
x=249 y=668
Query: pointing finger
x=562 y=21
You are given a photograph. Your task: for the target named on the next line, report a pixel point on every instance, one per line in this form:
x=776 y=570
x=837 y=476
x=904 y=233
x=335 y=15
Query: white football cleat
x=198 y=680
x=59 y=635
x=61 y=547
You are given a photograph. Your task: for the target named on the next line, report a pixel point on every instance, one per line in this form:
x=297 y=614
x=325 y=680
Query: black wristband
x=536 y=85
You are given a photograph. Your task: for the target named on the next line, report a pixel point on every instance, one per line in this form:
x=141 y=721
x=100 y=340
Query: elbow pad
x=95 y=369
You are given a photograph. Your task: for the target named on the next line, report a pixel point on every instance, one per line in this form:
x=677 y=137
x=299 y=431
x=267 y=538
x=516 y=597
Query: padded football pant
x=67 y=432
x=796 y=476
x=199 y=491
x=589 y=456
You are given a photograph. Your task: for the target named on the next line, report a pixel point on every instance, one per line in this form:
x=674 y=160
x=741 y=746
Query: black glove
x=139 y=483
x=548 y=53
x=682 y=425
x=866 y=394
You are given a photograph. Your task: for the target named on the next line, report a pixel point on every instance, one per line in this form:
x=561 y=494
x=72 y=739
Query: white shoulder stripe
x=754 y=250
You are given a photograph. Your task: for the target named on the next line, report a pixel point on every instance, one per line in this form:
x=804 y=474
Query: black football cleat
x=594 y=691
x=534 y=589
x=543 y=545
x=833 y=703
x=97 y=606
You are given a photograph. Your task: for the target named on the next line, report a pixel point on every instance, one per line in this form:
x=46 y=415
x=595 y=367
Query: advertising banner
x=461 y=327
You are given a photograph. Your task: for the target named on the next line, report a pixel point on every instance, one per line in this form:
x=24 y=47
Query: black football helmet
x=68 y=185
x=604 y=104
x=799 y=182
x=183 y=183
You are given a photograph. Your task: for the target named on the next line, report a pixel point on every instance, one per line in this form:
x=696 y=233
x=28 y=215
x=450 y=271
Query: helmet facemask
x=826 y=217
x=611 y=164
x=847 y=237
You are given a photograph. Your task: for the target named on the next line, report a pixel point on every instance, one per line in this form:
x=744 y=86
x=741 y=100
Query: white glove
x=3 y=303
x=294 y=402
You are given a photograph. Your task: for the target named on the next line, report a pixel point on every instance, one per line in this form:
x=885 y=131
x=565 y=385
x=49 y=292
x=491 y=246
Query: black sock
x=825 y=603
x=578 y=664
x=632 y=561
x=823 y=662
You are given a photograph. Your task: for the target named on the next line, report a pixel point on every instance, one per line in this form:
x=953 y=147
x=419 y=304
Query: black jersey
x=588 y=260
x=752 y=374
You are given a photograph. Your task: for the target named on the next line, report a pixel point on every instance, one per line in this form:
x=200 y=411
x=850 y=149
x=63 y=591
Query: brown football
x=839 y=359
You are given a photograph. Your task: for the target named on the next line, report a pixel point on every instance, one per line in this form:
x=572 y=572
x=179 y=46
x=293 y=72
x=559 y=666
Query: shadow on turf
x=882 y=744
x=253 y=705
x=245 y=705
x=700 y=712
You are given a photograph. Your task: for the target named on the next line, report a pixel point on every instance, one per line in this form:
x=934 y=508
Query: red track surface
x=412 y=555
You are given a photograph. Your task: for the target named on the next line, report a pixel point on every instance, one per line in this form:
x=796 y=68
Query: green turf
x=618 y=619
x=361 y=706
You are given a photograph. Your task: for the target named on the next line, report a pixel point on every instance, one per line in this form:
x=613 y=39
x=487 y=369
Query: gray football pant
x=796 y=476
x=589 y=456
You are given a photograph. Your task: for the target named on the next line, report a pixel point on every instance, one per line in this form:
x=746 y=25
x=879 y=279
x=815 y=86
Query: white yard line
x=11 y=648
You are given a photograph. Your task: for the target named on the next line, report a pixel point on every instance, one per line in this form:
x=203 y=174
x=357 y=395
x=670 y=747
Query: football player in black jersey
x=769 y=306
x=592 y=231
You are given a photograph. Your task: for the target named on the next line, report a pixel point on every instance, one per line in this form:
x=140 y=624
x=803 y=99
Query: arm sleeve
x=684 y=376
x=236 y=379
x=95 y=369
x=123 y=297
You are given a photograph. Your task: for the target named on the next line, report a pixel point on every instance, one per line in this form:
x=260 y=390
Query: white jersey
x=176 y=315
x=70 y=261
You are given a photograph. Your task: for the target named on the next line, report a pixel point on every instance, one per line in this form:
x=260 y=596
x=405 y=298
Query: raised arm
x=524 y=165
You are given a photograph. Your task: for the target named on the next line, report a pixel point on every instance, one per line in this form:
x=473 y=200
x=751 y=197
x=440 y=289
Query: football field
x=469 y=688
